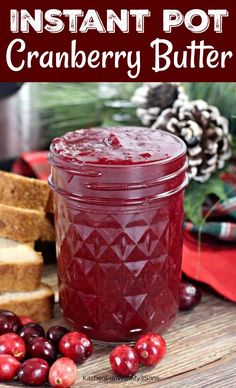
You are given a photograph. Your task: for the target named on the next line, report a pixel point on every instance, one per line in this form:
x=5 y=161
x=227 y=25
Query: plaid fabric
x=223 y=230
x=213 y=264
x=33 y=164
x=221 y=222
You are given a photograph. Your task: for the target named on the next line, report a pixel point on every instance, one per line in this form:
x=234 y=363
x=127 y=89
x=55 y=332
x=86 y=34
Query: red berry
x=63 y=373
x=55 y=333
x=33 y=372
x=124 y=361
x=31 y=330
x=189 y=296
x=9 y=367
x=13 y=344
x=41 y=347
x=150 y=348
x=76 y=346
x=25 y=320
x=9 y=322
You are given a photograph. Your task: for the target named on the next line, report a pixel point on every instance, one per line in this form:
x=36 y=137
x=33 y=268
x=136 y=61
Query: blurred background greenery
x=45 y=110
x=69 y=106
x=32 y=114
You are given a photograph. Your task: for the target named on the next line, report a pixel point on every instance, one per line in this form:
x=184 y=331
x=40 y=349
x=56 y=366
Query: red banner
x=118 y=41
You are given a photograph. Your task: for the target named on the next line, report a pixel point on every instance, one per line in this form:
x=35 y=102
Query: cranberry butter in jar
x=118 y=215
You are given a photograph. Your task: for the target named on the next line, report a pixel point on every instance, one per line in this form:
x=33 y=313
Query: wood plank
x=219 y=374
x=201 y=351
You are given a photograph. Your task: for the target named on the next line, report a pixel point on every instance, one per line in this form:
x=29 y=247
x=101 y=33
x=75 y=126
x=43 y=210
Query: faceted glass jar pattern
x=119 y=237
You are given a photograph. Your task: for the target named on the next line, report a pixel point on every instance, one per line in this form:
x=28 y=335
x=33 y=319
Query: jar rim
x=59 y=160
x=100 y=183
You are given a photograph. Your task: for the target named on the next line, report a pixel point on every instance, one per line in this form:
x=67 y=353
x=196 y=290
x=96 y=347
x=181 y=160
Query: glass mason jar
x=118 y=217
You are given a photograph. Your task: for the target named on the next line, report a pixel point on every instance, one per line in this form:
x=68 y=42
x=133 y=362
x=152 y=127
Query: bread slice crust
x=20 y=266
x=37 y=304
x=20 y=224
x=20 y=191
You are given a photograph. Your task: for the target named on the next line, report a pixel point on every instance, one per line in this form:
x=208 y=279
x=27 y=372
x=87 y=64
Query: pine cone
x=152 y=98
x=205 y=132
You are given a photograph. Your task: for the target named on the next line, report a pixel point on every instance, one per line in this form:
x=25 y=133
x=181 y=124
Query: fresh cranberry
x=189 y=296
x=9 y=367
x=150 y=348
x=124 y=361
x=76 y=346
x=13 y=344
x=30 y=331
x=55 y=333
x=42 y=348
x=63 y=373
x=9 y=322
x=25 y=320
x=33 y=372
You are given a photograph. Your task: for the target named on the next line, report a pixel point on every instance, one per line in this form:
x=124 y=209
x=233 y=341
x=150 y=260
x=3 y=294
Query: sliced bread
x=36 y=304
x=20 y=224
x=20 y=266
x=28 y=193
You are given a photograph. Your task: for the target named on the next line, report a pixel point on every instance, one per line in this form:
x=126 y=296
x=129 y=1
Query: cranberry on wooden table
x=33 y=372
x=189 y=296
x=76 y=345
x=42 y=348
x=124 y=361
x=9 y=367
x=63 y=373
x=9 y=322
x=150 y=348
x=31 y=330
x=13 y=344
x=55 y=333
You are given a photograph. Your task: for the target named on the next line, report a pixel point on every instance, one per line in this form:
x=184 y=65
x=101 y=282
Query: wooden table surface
x=201 y=351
